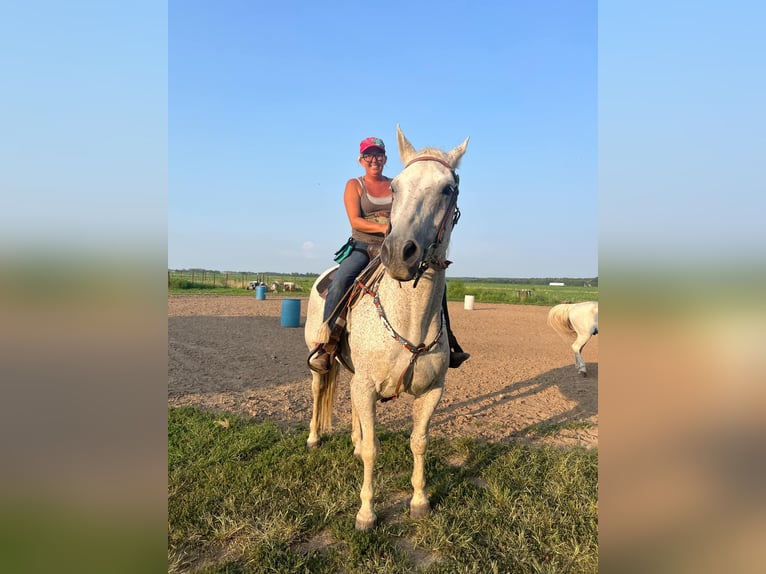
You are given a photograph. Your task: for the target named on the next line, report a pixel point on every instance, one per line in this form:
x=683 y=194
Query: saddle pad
x=324 y=284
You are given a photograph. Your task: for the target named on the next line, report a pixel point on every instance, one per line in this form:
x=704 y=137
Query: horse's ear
x=455 y=155
x=406 y=150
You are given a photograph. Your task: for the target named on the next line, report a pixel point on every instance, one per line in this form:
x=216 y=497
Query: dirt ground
x=231 y=354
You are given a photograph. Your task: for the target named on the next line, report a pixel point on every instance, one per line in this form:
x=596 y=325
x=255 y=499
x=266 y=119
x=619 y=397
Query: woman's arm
x=352 y=200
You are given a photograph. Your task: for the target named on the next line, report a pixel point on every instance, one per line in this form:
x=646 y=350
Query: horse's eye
x=448 y=189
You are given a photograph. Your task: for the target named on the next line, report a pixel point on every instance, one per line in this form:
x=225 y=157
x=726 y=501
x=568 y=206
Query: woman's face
x=373 y=161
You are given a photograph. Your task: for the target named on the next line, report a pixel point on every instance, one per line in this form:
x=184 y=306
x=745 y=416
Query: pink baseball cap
x=368 y=143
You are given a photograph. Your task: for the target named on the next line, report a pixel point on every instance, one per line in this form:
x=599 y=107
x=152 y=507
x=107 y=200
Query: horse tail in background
x=558 y=319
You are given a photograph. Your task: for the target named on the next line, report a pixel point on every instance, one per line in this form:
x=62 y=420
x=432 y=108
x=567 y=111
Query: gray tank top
x=374 y=209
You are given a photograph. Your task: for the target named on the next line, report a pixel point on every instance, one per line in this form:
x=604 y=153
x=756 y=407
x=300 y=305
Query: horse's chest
x=380 y=350
x=427 y=372
x=401 y=374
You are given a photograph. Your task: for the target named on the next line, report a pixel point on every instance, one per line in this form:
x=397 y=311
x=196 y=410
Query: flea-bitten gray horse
x=397 y=339
x=580 y=319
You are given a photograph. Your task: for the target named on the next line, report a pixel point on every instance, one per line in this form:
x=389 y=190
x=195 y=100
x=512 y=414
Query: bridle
x=429 y=258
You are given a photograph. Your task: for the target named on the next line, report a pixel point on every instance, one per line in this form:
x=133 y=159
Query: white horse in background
x=579 y=319
x=396 y=335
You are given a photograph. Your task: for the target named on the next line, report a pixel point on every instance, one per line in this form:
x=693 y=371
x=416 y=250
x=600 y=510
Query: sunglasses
x=370 y=157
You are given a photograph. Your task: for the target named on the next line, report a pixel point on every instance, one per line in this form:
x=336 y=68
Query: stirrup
x=320 y=361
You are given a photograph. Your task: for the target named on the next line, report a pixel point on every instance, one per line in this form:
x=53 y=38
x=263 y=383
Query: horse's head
x=423 y=211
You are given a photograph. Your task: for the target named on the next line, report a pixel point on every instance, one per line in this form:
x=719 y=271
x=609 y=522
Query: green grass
x=552 y=429
x=484 y=291
x=245 y=496
x=233 y=283
x=519 y=293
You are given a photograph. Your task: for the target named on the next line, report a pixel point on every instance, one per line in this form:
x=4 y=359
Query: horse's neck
x=415 y=310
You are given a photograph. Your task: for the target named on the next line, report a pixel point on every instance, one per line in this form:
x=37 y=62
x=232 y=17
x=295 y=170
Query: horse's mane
x=436 y=153
x=431 y=151
x=558 y=319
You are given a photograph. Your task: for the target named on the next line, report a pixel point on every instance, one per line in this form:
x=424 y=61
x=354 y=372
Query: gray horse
x=397 y=340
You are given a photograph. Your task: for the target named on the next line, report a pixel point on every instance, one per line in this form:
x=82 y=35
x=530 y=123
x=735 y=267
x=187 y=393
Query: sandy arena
x=230 y=354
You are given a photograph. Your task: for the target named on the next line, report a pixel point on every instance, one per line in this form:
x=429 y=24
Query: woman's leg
x=349 y=269
x=456 y=354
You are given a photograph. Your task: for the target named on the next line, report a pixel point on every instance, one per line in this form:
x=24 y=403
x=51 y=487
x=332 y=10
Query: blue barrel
x=291 y=312
x=260 y=292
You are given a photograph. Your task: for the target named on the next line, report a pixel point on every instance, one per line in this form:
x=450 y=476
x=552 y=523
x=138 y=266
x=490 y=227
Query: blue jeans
x=349 y=269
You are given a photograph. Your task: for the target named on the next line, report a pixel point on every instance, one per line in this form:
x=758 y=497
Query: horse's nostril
x=410 y=250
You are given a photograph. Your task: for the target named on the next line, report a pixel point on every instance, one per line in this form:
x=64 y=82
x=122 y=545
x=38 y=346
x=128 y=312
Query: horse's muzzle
x=400 y=258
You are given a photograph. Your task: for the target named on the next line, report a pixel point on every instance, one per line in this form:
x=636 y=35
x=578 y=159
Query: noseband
x=429 y=258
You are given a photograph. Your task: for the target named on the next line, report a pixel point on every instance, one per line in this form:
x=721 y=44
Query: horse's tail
x=558 y=319
x=325 y=399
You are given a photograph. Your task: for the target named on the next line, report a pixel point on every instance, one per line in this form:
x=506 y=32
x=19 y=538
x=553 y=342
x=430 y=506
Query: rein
x=429 y=258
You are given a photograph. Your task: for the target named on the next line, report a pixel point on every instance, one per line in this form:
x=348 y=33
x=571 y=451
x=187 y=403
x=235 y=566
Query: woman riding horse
x=368 y=206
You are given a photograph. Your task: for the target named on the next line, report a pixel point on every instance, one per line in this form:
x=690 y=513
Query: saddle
x=366 y=278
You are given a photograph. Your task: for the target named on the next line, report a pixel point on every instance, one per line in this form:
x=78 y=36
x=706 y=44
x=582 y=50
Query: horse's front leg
x=363 y=399
x=422 y=410
x=356 y=432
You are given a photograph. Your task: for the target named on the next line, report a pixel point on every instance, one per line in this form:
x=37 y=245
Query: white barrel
x=468 y=304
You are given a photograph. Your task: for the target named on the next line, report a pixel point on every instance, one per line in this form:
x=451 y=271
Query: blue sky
x=220 y=134
x=83 y=118
x=268 y=102
x=681 y=134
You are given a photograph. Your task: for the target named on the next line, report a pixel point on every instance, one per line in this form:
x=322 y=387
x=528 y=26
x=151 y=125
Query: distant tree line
x=276 y=273
x=590 y=281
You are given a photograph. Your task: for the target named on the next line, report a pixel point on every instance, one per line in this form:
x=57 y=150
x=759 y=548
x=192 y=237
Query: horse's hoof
x=420 y=511
x=583 y=373
x=312 y=443
x=365 y=524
